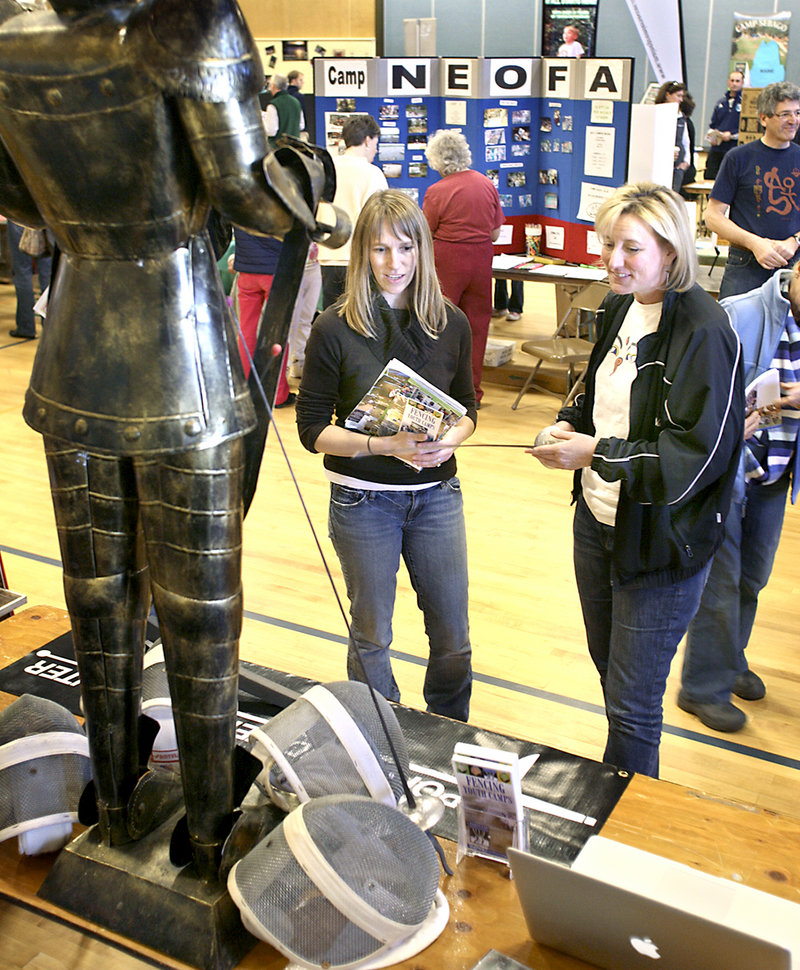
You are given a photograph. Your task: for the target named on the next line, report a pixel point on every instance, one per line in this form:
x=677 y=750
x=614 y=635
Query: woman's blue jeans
x=370 y=531
x=633 y=632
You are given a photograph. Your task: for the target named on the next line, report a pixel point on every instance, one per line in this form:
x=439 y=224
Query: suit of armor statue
x=120 y=124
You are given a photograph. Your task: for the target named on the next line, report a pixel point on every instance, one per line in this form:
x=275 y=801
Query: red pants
x=253 y=292
x=465 y=273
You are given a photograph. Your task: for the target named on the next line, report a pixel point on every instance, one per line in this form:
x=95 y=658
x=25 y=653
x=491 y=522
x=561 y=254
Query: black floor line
x=714 y=741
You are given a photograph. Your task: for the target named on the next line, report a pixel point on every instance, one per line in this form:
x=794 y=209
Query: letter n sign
x=408 y=78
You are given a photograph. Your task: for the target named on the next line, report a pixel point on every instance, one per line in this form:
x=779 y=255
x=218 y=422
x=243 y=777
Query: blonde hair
x=664 y=213
x=403 y=217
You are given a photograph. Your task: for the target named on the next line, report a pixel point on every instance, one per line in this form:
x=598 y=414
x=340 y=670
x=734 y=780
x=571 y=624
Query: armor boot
x=192 y=517
x=107 y=594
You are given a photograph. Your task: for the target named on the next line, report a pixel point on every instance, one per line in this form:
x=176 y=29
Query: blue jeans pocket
x=740 y=257
x=346 y=497
x=453 y=484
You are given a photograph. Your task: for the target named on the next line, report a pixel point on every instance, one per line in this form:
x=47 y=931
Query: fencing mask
x=44 y=767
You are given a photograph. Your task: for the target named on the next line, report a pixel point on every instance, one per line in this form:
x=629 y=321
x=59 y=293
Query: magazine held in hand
x=763 y=393
x=401 y=400
x=491 y=816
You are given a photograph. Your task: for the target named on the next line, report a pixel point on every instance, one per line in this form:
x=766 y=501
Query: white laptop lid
x=630 y=928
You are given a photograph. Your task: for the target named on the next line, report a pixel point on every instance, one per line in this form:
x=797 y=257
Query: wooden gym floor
x=533 y=676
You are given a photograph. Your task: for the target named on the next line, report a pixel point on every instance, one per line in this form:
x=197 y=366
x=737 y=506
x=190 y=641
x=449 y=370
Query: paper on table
x=586 y=272
x=553 y=269
x=508 y=260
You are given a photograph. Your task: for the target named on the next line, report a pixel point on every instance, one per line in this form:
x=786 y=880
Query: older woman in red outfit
x=463 y=211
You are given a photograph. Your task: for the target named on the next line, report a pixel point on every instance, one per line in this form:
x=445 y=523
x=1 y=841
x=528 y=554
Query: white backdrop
x=658 y=23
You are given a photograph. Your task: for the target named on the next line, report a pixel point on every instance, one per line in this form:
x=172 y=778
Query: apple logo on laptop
x=645 y=947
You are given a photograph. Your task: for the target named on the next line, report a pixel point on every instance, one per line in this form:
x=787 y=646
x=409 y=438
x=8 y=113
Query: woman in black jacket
x=655 y=443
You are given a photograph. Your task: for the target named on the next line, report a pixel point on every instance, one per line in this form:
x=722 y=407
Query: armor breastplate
x=138 y=355
x=134 y=187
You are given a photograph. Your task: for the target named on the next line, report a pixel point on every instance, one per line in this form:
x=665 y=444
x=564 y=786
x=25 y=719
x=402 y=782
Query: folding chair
x=563 y=350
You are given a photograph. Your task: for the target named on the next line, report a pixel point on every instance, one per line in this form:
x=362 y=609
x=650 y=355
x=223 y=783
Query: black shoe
x=749 y=686
x=290 y=399
x=718 y=717
x=21 y=336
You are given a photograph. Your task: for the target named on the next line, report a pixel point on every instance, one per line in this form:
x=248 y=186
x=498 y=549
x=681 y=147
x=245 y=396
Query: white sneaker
x=513 y=315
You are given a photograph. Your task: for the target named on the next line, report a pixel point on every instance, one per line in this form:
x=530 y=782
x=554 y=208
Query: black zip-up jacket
x=677 y=466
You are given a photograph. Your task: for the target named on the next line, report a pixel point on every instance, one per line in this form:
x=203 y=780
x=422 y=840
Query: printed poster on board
x=759 y=47
x=569 y=29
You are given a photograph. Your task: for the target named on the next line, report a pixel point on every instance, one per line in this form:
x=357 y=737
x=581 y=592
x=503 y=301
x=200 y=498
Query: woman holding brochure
x=654 y=444
x=382 y=508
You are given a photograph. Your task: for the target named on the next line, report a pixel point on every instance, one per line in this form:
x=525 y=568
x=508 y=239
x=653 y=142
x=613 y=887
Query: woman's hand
x=573 y=450
x=408 y=445
x=417 y=448
x=431 y=454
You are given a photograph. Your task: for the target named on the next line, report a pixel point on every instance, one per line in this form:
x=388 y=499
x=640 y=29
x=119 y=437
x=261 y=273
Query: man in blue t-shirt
x=755 y=202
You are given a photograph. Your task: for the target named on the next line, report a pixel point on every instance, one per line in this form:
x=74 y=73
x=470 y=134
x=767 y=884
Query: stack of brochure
x=491 y=815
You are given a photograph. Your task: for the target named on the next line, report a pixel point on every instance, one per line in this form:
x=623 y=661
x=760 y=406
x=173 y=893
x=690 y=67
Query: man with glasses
x=755 y=202
x=723 y=132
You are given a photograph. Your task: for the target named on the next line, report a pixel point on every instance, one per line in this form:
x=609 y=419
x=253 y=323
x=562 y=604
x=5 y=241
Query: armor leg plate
x=191 y=508
x=107 y=593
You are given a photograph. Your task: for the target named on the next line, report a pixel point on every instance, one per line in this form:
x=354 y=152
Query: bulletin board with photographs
x=502 y=151
x=555 y=134
x=569 y=29
x=405 y=126
x=550 y=158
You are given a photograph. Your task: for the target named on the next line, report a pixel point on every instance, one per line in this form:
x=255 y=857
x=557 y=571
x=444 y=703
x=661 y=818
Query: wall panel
x=324 y=18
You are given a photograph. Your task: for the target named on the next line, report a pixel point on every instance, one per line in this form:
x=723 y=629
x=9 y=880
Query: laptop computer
x=621 y=908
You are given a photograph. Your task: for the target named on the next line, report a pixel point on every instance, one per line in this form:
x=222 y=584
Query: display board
x=551 y=133
x=750 y=128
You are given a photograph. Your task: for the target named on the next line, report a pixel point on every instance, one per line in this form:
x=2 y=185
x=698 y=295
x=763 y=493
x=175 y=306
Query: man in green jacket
x=283 y=116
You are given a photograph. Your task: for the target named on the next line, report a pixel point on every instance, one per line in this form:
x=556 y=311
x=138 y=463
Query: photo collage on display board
x=554 y=139
x=403 y=139
x=549 y=135
x=507 y=150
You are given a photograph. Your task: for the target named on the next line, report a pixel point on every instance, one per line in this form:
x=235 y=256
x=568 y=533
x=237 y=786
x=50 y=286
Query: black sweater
x=340 y=367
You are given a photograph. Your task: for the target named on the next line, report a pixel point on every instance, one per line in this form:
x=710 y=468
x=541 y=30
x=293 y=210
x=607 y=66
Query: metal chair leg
x=526 y=385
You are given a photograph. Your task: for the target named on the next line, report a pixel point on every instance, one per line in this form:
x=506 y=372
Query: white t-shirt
x=573 y=49
x=612 y=402
x=356 y=180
